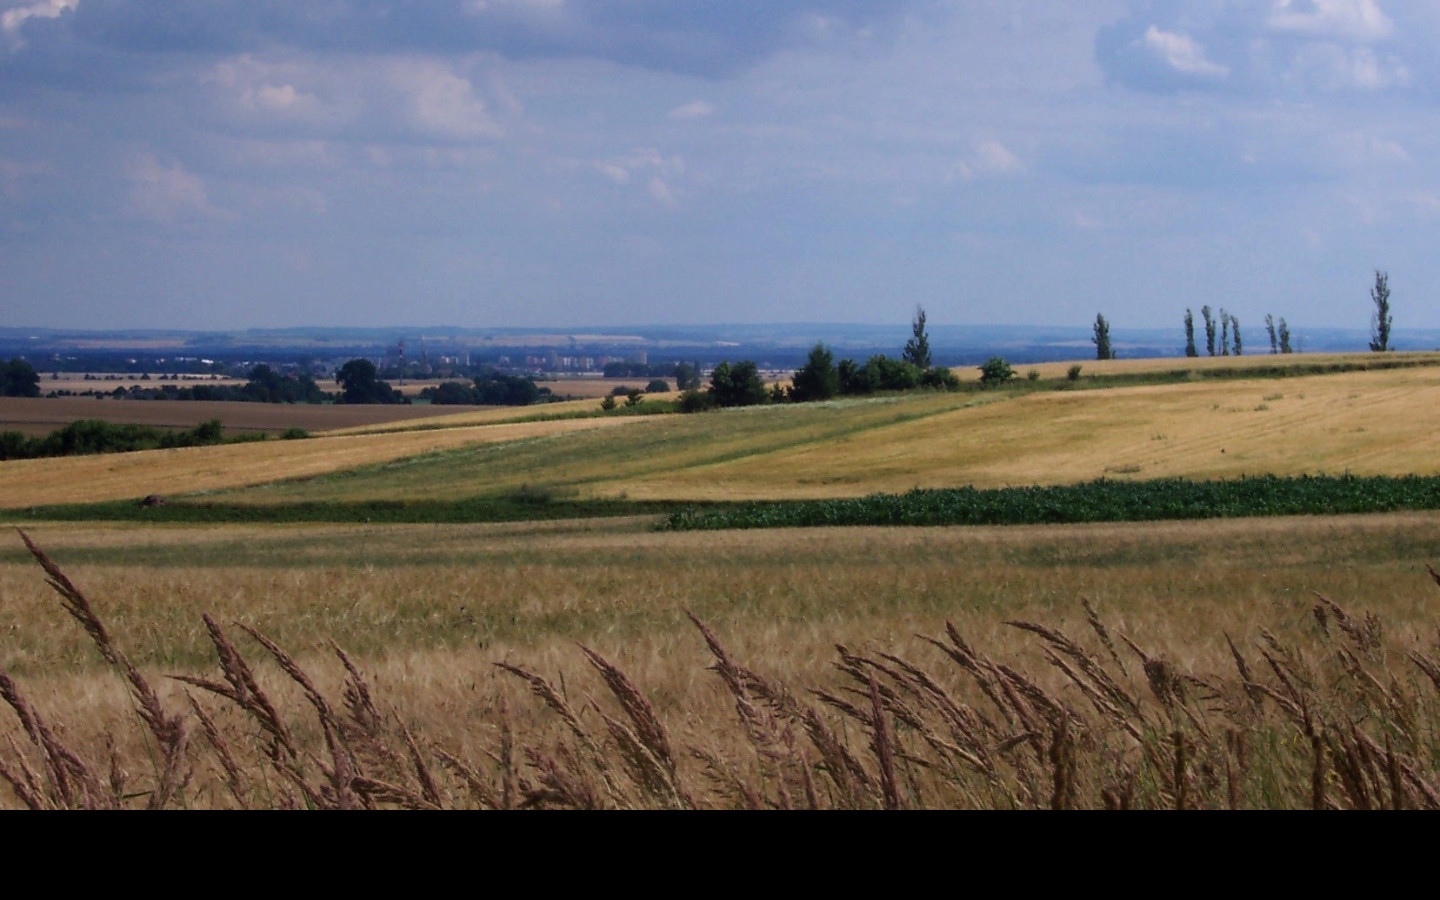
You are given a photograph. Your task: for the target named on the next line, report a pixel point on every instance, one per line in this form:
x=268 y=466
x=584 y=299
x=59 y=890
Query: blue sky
x=253 y=163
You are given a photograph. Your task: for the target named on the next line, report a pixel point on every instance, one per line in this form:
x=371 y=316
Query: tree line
x=90 y=436
x=491 y=388
x=821 y=378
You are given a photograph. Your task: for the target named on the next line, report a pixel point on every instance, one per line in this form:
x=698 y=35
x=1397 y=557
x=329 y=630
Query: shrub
x=694 y=400
x=1073 y=373
x=940 y=378
x=995 y=372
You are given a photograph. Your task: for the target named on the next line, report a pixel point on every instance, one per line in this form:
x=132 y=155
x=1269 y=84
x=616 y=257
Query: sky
x=225 y=164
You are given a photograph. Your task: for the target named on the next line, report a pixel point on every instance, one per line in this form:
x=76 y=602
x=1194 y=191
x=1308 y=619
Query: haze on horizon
x=552 y=163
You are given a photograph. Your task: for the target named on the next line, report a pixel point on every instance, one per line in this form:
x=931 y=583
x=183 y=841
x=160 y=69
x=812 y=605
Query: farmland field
x=425 y=611
x=42 y=415
x=1355 y=422
x=109 y=381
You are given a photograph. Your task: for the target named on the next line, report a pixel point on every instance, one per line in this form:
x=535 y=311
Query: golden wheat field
x=1281 y=662
x=426 y=615
x=42 y=415
x=188 y=470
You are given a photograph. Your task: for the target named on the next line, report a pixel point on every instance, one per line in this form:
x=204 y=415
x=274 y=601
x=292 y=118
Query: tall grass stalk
x=1338 y=716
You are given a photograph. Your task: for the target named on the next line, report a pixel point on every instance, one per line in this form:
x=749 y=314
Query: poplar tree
x=1102 y=338
x=917 y=349
x=1380 y=324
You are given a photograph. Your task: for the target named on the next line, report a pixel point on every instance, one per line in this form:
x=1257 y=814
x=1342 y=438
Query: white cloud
x=1182 y=53
x=661 y=192
x=648 y=166
x=643 y=159
x=411 y=99
x=1357 y=20
x=988 y=158
x=993 y=156
x=1357 y=148
x=165 y=193
x=1331 y=67
x=616 y=173
x=445 y=104
x=12 y=19
x=484 y=6
x=268 y=91
x=281 y=98
x=696 y=109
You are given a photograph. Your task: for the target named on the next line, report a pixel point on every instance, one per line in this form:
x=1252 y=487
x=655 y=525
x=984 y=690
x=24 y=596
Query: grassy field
x=1312 y=704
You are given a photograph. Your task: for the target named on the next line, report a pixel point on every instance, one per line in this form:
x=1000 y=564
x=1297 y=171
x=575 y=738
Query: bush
x=657 y=386
x=1073 y=374
x=995 y=372
x=695 y=400
x=608 y=403
x=940 y=378
x=894 y=374
x=880 y=373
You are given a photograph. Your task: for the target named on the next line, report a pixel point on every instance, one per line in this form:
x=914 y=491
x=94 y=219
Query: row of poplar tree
x=1229 y=342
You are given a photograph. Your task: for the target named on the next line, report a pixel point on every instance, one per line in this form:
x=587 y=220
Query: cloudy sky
x=256 y=163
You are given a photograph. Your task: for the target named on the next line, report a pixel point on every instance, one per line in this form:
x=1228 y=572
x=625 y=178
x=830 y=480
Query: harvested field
x=42 y=415
x=1201 y=365
x=585 y=387
x=119 y=476
x=1360 y=422
x=1366 y=423
x=463 y=416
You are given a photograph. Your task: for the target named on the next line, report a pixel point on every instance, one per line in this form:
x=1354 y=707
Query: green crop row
x=1095 y=501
